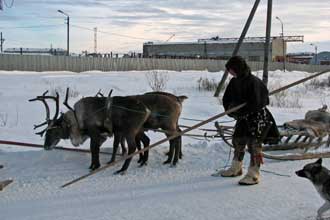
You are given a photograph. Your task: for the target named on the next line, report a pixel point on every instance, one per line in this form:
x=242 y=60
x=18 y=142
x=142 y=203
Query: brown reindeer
x=88 y=119
x=125 y=117
x=165 y=111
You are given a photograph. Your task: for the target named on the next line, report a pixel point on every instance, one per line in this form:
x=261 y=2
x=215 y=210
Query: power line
x=110 y=33
x=34 y=26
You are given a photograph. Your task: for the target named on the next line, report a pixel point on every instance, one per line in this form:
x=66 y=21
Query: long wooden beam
x=187 y=130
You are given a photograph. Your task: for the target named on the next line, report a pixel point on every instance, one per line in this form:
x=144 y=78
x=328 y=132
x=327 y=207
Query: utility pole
x=283 y=44
x=315 y=47
x=68 y=36
x=95 y=40
x=267 y=43
x=1 y=42
x=68 y=32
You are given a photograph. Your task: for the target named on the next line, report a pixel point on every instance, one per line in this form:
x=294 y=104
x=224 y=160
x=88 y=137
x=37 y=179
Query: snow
x=156 y=191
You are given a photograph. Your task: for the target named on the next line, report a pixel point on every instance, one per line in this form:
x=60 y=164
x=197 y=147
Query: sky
x=124 y=25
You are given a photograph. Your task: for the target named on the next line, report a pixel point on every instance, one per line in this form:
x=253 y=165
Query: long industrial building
x=252 y=48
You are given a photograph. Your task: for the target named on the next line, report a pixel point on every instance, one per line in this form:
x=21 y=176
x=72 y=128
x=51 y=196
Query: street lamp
x=315 y=47
x=283 y=43
x=68 y=24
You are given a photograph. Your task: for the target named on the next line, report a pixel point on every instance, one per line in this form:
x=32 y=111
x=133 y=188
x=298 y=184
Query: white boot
x=252 y=177
x=234 y=170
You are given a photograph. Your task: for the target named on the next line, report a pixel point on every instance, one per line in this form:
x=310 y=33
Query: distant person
x=254 y=121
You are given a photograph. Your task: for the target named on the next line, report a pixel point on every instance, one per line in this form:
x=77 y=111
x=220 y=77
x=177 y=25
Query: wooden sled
x=295 y=143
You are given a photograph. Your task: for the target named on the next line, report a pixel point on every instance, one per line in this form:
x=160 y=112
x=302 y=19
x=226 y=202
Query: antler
x=99 y=94
x=48 y=120
x=109 y=95
x=68 y=106
x=66 y=100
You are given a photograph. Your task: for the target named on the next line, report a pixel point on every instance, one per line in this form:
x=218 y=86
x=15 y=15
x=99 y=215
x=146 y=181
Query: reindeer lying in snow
x=99 y=117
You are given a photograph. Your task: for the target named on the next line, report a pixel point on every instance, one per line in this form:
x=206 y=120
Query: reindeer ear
x=319 y=161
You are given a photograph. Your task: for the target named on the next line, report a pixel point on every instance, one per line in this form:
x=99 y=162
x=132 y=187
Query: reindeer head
x=58 y=127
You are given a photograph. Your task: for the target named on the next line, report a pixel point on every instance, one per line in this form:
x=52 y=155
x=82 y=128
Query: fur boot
x=252 y=177
x=234 y=170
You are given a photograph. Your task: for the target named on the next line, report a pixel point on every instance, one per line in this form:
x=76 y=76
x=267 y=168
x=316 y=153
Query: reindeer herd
x=124 y=117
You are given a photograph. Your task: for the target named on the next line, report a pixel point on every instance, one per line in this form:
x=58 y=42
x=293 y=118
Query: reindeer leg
x=138 y=146
x=96 y=142
x=146 y=141
x=123 y=147
x=180 y=144
x=131 y=149
x=171 y=152
x=177 y=147
x=95 y=149
x=117 y=138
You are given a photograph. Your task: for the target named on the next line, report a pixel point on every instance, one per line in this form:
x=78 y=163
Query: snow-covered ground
x=156 y=191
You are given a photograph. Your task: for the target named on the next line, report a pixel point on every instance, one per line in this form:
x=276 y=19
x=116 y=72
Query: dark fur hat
x=239 y=65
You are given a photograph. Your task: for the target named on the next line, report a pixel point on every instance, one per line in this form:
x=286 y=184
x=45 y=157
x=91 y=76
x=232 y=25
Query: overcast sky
x=124 y=25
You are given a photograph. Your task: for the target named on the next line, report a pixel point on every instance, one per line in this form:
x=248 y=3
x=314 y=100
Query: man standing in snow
x=253 y=120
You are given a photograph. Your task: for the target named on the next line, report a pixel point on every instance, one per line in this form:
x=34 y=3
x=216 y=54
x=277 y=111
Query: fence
x=41 y=63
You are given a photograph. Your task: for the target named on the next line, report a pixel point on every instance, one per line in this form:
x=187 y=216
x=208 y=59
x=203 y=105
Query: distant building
x=36 y=51
x=302 y=58
x=322 y=58
x=252 y=48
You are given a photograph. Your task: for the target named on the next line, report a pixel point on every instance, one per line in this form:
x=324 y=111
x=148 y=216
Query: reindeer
x=88 y=119
x=124 y=117
x=165 y=111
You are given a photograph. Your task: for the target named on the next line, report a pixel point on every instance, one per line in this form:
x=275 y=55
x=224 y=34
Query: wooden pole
x=187 y=130
x=156 y=144
x=238 y=45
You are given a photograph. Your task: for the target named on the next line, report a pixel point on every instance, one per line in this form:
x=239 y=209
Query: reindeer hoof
x=167 y=162
x=94 y=166
x=110 y=161
x=121 y=172
x=173 y=165
x=143 y=163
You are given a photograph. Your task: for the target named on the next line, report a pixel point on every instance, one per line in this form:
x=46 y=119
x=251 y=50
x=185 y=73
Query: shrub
x=3 y=119
x=207 y=84
x=157 y=80
x=282 y=100
x=319 y=83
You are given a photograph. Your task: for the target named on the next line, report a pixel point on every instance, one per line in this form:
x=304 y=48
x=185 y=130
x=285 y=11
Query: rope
x=262 y=170
x=41 y=146
x=274 y=173
x=137 y=111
